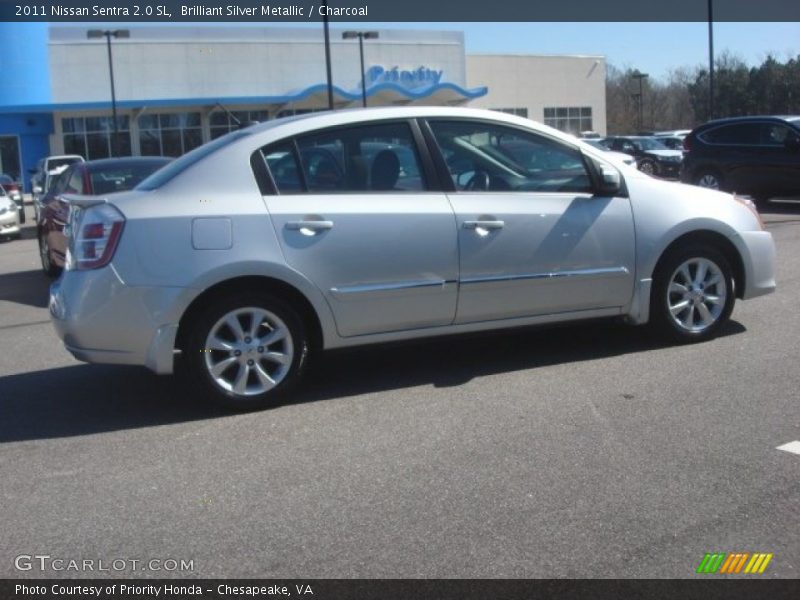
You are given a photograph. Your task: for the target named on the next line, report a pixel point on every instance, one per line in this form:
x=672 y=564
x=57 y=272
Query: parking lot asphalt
x=581 y=451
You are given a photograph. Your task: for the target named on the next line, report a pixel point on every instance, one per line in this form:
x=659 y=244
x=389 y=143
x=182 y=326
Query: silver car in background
x=355 y=227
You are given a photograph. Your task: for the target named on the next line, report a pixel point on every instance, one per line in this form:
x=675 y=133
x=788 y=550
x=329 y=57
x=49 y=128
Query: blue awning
x=386 y=93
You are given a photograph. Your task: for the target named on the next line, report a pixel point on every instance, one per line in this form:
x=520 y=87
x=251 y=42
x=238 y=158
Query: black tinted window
x=736 y=134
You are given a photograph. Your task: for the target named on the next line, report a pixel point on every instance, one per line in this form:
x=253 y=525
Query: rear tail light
x=94 y=233
x=687 y=144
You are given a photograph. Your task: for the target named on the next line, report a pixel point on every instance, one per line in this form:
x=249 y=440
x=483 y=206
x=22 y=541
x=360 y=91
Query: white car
x=9 y=216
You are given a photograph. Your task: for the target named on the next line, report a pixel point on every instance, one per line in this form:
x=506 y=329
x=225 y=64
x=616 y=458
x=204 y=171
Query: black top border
x=445 y=11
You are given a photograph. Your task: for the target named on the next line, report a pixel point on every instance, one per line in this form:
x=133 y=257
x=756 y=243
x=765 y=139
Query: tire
x=239 y=368
x=50 y=269
x=648 y=166
x=684 y=285
x=708 y=178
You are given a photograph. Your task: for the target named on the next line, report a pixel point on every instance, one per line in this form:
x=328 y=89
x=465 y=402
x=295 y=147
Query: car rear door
x=533 y=237
x=356 y=213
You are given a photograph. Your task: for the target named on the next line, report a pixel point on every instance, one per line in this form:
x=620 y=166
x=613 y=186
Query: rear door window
x=380 y=157
x=739 y=134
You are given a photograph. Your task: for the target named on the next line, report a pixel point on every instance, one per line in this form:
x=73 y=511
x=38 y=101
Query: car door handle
x=484 y=224
x=309 y=227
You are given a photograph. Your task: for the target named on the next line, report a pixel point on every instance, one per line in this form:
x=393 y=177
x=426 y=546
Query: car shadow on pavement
x=26 y=287
x=90 y=399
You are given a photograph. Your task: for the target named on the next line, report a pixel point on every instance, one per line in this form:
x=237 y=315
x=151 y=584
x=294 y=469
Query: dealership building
x=177 y=87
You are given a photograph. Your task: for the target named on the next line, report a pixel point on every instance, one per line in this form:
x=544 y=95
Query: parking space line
x=18 y=325
x=793 y=447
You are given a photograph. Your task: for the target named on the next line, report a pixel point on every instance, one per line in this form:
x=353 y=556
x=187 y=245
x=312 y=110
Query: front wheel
x=693 y=294
x=648 y=166
x=246 y=351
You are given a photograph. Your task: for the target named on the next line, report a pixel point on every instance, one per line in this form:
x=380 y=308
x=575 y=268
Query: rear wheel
x=247 y=351
x=693 y=294
x=708 y=179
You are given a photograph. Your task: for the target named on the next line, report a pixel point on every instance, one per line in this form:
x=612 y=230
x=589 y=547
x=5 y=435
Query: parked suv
x=757 y=156
x=346 y=228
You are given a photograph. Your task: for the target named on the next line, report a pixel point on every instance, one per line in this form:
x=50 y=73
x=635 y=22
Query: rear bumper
x=102 y=320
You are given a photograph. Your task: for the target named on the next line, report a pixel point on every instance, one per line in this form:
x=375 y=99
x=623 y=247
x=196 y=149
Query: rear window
x=122 y=177
x=179 y=165
x=54 y=163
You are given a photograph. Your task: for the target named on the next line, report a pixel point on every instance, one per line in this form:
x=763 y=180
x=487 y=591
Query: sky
x=653 y=48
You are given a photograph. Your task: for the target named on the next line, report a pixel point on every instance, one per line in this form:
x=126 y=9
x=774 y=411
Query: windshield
x=649 y=144
x=55 y=163
x=179 y=165
x=595 y=143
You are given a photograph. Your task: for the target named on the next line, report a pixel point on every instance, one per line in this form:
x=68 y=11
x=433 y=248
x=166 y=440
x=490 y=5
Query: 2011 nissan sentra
x=355 y=227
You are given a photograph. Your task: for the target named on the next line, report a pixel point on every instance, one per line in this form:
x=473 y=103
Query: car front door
x=780 y=150
x=533 y=237
x=354 y=213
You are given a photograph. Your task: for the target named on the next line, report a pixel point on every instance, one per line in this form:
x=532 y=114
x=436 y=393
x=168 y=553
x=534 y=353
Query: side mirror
x=610 y=180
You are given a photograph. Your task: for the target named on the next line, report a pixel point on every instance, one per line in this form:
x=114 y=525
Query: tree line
x=681 y=100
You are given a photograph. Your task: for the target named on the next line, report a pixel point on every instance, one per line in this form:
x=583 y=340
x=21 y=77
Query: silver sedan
x=338 y=229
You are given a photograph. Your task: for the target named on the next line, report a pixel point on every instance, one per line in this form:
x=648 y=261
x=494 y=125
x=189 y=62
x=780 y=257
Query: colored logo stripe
x=711 y=562
x=758 y=563
x=732 y=563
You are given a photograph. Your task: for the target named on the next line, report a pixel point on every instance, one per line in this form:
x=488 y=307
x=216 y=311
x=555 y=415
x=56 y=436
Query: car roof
x=791 y=118
x=101 y=163
x=323 y=119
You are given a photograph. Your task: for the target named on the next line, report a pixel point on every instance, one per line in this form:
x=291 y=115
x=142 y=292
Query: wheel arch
x=250 y=283
x=719 y=241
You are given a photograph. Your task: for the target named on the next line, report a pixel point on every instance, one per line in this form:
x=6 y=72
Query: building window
x=571 y=119
x=519 y=112
x=169 y=134
x=222 y=122
x=299 y=111
x=91 y=137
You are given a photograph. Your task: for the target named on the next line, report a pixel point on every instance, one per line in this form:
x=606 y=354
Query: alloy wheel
x=708 y=180
x=647 y=167
x=249 y=351
x=696 y=294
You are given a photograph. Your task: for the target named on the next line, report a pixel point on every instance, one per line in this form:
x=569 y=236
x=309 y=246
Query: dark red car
x=93 y=178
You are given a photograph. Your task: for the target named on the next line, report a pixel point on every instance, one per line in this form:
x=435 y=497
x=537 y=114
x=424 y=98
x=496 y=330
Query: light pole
x=361 y=35
x=640 y=76
x=108 y=34
x=329 y=80
x=710 y=60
